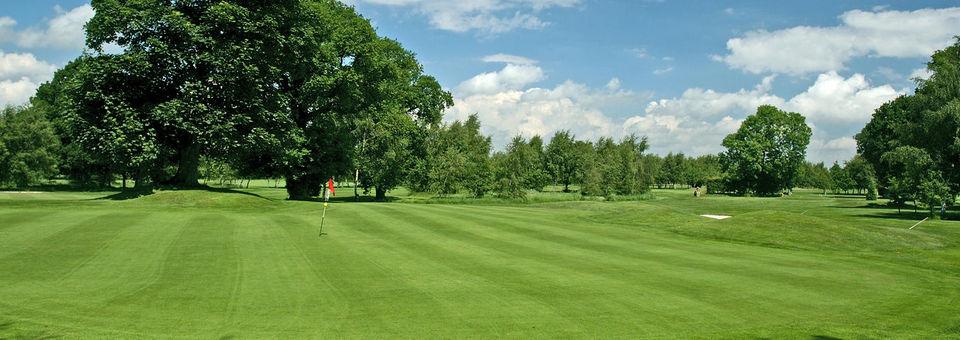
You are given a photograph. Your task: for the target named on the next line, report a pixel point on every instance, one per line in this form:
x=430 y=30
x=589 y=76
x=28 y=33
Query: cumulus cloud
x=485 y=16
x=508 y=104
x=20 y=75
x=64 y=31
x=511 y=77
x=833 y=99
x=698 y=120
x=809 y=49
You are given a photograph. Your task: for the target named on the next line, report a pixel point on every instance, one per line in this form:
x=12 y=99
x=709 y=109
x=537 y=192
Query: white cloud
x=706 y=103
x=485 y=16
x=697 y=121
x=694 y=123
x=639 y=53
x=521 y=109
x=20 y=75
x=663 y=71
x=16 y=92
x=65 y=31
x=509 y=59
x=881 y=33
x=921 y=73
x=511 y=77
x=614 y=84
x=833 y=99
x=24 y=65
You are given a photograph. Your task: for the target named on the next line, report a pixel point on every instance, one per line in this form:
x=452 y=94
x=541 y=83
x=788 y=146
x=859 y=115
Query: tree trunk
x=188 y=171
x=142 y=182
x=566 y=187
x=124 y=181
x=381 y=194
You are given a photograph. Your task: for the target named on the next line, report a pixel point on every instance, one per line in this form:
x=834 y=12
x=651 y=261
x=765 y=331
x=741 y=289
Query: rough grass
x=247 y=264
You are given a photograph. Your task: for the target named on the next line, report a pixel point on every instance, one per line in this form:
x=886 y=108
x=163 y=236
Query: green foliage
x=539 y=174
x=617 y=169
x=765 y=155
x=28 y=147
x=929 y=120
x=458 y=157
x=912 y=177
x=564 y=162
x=520 y=168
x=815 y=176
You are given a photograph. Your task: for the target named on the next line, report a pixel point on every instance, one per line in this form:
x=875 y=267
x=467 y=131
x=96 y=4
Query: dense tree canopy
x=28 y=147
x=765 y=155
x=928 y=120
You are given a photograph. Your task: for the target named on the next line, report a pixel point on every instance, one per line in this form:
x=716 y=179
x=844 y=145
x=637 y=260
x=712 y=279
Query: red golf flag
x=330 y=186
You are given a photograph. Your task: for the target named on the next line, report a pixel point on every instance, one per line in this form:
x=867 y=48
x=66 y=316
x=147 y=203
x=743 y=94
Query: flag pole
x=323 y=217
x=326 y=203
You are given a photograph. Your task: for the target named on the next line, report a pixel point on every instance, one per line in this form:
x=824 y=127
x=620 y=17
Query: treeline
x=458 y=158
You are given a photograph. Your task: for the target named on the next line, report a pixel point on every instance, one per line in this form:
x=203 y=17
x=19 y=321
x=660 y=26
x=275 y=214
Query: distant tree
x=447 y=172
x=766 y=153
x=457 y=158
x=842 y=182
x=599 y=179
x=634 y=179
x=28 y=147
x=652 y=164
x=539 y=175
x=816 y=176
x=674 y=170
x=564 y=163
x=862 y=174
x=703 y=169
x=912 y=176
x=617 y=169
x=517 y=169
x=476 y=148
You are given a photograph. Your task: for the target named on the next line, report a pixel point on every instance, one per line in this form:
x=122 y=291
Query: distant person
x=943 y=209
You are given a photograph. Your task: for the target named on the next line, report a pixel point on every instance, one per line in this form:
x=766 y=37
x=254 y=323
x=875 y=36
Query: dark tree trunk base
x=303 y=187
x=381 y=194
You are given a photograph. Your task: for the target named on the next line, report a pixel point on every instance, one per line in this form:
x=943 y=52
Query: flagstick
x=323 y=217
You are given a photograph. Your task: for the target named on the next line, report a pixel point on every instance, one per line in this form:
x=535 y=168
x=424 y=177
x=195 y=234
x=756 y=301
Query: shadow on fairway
x=824 y=337
x=350 y=199
x=133 y=194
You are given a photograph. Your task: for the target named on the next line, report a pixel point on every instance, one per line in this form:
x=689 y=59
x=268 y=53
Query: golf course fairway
x=247 y=264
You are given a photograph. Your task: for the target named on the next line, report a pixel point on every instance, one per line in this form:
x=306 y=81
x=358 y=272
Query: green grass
x=199 y=264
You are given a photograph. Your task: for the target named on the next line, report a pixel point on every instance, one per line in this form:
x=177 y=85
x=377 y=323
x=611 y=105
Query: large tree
x=929 y=120
x=191 y=79
x=403 y=103
x=765 y=155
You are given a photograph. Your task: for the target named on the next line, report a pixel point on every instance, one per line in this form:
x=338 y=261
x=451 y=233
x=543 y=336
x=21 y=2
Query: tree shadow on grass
x=350 y=199
x=823 y=337
x=129 y=194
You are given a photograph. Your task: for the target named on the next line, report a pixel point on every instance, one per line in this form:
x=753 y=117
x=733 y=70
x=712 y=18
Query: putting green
x=216 y=265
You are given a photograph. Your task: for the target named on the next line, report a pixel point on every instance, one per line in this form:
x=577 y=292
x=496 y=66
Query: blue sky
x=684 y=73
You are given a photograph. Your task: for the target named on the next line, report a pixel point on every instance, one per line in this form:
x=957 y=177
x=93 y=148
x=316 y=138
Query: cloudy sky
x=683 y=73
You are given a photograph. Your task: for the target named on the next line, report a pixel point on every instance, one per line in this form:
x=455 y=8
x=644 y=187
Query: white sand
x=716 y=217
